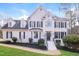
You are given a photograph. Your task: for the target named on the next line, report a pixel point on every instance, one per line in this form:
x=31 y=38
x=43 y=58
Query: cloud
x=23 y=17
x=23 y=13
x=4 y=15
x=73 y=8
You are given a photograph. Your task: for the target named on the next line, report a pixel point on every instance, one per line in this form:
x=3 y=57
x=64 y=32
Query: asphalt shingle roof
x=16 y=26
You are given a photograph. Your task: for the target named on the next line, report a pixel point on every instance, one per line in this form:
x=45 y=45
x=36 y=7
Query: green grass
x=7 y=51
x=68 y=53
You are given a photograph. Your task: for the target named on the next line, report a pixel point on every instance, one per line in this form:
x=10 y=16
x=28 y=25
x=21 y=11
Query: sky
x=23 y=10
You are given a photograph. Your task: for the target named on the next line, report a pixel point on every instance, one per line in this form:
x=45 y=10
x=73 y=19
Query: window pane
x=57 y=24
x=41 y=24
x=24 y=35
x=30 y=23
x=6 y=34
x=62 y=34
x=10 y=34
x=56 y=35
x=38 y=24
x=19 y=35
x=34 y=23
x=62 y=24
x=65 y=24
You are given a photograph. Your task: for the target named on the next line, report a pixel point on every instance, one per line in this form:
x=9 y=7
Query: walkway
x=54 y=52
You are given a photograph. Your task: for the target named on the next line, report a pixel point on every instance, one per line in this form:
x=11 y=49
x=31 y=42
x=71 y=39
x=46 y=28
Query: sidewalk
x=54 y=52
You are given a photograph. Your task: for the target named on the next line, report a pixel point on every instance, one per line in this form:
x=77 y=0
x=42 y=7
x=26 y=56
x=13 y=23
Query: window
x=35 y=34
x=34 y=23
x=19 y=35
x=24 y=35
x=59 y=34
x=56 y=35
x=57 y=24
x=62 y=34
x=10 y=34
x=65 y=24
x=30 y=23
x=39 y=34
x=38 y=24
x=62 y=24
x=9 y=24
x=49 y=23
x=41 y=24
x=6 y=34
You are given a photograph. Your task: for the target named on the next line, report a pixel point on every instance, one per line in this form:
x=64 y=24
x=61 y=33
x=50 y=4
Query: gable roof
x=16 y=26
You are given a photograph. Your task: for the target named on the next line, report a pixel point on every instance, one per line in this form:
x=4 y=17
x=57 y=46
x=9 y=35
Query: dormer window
x=23 y=23
x=9 y=24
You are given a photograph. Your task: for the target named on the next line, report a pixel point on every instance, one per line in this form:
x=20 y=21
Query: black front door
x=48 y=35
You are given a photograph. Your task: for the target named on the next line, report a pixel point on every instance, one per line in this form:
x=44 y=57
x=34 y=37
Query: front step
x=51 y=45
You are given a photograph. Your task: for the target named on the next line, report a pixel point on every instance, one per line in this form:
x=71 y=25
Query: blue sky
x=18 y=10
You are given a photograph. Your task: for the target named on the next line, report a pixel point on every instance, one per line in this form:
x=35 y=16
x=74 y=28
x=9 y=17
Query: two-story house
x=40 y=24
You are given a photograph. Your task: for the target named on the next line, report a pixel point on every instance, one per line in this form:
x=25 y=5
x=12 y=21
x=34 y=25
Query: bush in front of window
x=14 y=39
x=30 y=40
x=71 y=41
x=41 y=42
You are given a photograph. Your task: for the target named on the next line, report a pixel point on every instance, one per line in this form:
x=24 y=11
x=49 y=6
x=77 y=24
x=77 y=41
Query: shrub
x=7 y=41
x=74 y=39
x=41 y=42
x=30 y=40
x=14 y=39
x=71 y=41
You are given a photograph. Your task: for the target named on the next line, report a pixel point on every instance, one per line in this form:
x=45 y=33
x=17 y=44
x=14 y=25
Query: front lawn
x=68 y=53
x=7 y=51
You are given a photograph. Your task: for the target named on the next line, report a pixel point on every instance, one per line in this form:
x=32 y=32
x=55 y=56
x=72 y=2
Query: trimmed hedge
x=41 y=42
x=14 y=39
x=73 y=39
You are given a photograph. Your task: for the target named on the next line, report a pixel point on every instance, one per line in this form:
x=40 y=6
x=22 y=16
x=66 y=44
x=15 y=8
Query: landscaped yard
x=7 y=51
x=69 y=53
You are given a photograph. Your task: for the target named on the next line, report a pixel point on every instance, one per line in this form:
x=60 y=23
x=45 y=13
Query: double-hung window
x=19 y=35
x=24 y=35
x=57 y=24
x=10 y=34
x=6 y=34
x=62 y=24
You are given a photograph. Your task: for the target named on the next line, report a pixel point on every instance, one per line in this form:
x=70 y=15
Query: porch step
x=51 y=45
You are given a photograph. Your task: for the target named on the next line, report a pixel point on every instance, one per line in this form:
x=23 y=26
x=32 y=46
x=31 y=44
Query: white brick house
x=37 y=26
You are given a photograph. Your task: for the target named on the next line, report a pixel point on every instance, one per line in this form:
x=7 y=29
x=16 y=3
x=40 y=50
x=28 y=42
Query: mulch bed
x=34 y=45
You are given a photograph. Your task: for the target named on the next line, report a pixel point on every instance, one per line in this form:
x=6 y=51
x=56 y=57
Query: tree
x=70 y=13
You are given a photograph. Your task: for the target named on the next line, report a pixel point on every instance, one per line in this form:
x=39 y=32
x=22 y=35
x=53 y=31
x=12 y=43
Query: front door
x=48 y=35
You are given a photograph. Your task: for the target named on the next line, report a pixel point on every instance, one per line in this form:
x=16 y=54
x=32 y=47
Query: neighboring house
x=39 y=25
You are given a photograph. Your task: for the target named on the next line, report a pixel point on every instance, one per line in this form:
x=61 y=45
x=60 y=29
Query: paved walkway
x=54 y=52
